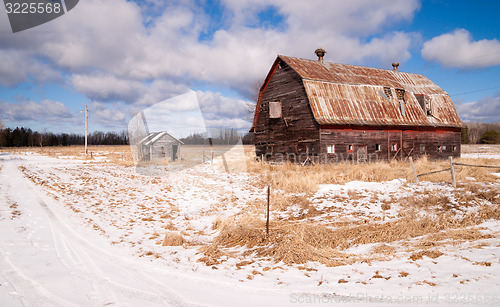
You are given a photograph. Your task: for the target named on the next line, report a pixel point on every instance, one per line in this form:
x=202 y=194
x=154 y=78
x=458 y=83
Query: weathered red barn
x=336 y=112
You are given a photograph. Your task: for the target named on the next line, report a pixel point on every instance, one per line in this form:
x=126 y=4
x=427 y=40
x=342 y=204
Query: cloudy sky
x=120 y=57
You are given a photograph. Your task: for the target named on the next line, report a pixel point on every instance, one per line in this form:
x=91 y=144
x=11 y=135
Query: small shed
x=335 y=112
x=159 y=146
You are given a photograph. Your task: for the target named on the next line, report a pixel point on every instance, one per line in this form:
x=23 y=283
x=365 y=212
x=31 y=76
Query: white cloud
x=484 y=110
x=213 y=104
x=115 y=50
x=108 y=87
x=18 y=67
x=457 y=49
x=48 y=111
x=108 y=115
x=110 y=36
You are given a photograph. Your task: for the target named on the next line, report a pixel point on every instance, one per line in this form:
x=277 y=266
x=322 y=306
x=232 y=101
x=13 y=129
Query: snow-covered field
x=87 y=232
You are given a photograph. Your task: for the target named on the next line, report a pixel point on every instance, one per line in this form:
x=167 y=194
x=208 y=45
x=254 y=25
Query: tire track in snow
x=78 y=256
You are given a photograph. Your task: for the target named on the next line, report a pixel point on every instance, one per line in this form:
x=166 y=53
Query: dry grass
x=428 y=253
x=300 y=242
x=173 y=239
x=305 y=179
x=119 y=154
x=293 y=178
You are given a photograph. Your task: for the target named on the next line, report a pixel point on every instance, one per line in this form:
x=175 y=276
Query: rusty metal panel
x=337 y=104
x=350 y=94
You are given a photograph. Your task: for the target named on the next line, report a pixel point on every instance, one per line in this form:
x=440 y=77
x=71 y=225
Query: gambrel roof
x=341 y=94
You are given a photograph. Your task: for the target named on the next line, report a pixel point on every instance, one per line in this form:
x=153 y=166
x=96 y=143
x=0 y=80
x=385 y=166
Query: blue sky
x=120 y=57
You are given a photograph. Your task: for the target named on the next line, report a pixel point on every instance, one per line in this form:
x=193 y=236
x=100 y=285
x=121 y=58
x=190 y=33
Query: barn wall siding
x=392 y=143
x=296 y=131
x=331 y=107
x=162 y=149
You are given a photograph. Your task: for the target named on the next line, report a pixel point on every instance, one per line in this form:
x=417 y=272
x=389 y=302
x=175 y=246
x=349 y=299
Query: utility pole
x=86 y=127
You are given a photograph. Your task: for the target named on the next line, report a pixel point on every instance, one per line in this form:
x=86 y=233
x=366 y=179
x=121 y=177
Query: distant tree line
x=22 y=137
x=222 y=137
x=481 y=133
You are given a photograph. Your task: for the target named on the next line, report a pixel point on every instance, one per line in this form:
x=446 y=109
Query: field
x=195 y=233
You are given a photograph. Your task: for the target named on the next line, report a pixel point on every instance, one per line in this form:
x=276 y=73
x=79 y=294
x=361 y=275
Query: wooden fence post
x=267 y=217
x=453 y=180
x=414 y=171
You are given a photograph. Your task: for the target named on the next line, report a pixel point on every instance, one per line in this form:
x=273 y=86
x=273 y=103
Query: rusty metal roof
x=350 y=94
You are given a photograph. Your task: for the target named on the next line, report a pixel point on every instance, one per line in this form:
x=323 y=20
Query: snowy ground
x=75 y=232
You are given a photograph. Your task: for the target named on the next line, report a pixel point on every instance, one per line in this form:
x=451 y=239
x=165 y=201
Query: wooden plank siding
x=296 y=132
x=361 y=114
x=165 y=147
x=392 y=143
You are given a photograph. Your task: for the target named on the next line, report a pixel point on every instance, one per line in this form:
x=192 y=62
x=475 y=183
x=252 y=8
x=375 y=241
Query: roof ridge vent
x=395 y=66
x=320 y=52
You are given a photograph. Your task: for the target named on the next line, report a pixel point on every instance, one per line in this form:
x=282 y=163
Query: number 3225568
x=33 y=8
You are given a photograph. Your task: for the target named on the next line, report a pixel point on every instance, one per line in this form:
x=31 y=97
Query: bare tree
x=2 y=135
x=254 y=99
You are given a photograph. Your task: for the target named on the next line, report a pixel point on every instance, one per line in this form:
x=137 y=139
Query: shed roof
x=353 y=95
x=155 y=136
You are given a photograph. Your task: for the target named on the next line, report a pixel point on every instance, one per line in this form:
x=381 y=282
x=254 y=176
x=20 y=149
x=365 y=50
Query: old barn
x=320 y=111
x=159 y=146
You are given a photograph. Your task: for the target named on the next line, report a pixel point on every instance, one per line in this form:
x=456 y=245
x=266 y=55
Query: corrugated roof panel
x=363 y=105
x=350 y=94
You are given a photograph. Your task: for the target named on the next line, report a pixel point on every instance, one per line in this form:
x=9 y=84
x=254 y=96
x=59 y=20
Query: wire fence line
x=472 y=165
x=451 y=169
x=435 y=172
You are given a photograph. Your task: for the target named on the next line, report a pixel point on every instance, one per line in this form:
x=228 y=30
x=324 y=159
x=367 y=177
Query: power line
x=476 y=91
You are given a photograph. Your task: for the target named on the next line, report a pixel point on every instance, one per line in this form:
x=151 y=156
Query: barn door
x=408 y=149
x=174 y=152
x=362 y=153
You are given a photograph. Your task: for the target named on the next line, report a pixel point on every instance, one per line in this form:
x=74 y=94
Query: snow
x=480 y=156
x=88 y=233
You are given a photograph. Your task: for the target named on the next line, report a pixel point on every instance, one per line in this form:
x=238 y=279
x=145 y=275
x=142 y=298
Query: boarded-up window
x=274 y=109
x=394 y=147
x=422 y=148
x=330 y=148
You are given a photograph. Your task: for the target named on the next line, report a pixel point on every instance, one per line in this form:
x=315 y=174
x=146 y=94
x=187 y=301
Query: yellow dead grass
x=173 y=239
x=293 y=178
x=300 y=242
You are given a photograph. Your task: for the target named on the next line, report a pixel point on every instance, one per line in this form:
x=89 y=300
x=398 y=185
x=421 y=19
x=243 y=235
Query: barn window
x=422 y=148
x=400 y=94
x=387 y=92
x=440 y=148
x=350 y=147
x=378 y=147
x=454 y=148
x=394 y=146
x=274 y=109
x=425 y=103
x=401 y=98
x=330 y=148
x=443 y=147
